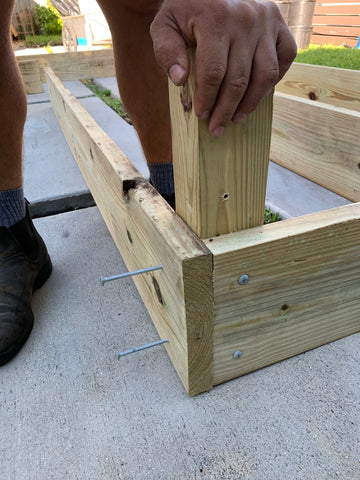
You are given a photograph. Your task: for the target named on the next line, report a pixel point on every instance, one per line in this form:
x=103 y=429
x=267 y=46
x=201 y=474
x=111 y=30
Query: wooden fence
x=333 y=21
x=336 y=22
x=67 y=7
x=22 y=23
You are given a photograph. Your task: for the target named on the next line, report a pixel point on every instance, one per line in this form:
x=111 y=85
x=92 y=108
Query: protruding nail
x=104 y=280
x=144 y=347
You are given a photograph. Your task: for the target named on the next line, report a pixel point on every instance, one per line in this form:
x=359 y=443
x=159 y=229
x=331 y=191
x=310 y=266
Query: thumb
x=170 y=50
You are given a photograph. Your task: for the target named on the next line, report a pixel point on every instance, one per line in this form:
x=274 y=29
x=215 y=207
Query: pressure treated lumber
x=303 y=289
x=31 y=74
x=319 y=142
x=304 y=273
x=220 y=184
x=336 y=86
x=147 y=232
x=75 y=65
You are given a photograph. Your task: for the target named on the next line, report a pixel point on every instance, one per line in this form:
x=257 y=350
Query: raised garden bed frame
x=299 y=279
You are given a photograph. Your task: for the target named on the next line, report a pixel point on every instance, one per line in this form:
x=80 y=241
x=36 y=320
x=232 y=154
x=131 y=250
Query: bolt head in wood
x=237 y=354
x=243 y=279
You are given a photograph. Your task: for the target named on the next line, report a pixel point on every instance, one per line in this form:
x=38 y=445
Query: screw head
x=237 y=354
x=243 y=279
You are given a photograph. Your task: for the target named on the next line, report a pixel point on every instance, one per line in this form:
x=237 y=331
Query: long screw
x=104 y=280
x=144 y=347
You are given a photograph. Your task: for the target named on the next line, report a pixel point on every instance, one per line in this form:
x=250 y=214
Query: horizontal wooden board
x=30 y=72
x=355 y=3
x=344 y=20
x=147 y=232
x=338 y=30
x=336 y=23
x=303 y=289
x=319 y=142
x=75 y=65
x=336 y=9
x=326 y=40
x=334 y=86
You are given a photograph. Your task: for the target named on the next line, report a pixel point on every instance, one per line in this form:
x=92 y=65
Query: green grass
x=32 y=41
x=270 y=216
x=105 y=96
x=330 y=56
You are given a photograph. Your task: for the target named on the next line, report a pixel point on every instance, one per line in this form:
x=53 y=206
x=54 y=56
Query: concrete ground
x=71 y=410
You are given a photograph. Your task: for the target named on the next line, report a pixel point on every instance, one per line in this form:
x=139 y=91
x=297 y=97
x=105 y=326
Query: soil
x=18 y=44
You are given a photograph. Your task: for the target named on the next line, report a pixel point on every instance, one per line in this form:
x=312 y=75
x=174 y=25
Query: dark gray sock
x=162 y=177
x=12 y=207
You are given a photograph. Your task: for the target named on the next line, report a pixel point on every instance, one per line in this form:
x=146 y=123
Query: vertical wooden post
x=220 y=184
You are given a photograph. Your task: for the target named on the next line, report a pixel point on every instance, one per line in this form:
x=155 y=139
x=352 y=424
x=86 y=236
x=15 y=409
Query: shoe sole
x=6 y=356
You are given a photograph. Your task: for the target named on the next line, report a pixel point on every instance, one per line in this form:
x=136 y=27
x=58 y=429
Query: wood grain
x=147 y=232
x=319 y=142
x=303 y=289
x=326 y=39
x=331 y=17
x=75 y=65
x=220 y=183
x=337 y=30
x=30 y=72
x=337 y=21
x=335 y=86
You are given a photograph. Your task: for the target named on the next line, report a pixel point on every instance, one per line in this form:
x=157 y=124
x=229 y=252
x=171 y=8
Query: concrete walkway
x=71 y=410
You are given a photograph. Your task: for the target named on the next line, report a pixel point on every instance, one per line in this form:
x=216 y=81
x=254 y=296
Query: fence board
x=336 y=23
x=319 y=142
x=336 y=86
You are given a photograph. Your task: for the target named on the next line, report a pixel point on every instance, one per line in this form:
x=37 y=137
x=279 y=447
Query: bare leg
x=24 y=261
x=12 y=106
x=143 y=86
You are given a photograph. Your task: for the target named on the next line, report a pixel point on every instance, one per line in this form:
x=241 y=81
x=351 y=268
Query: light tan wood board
x=147 y=232
x=220 y=184
x=336 y=86
x=75 y=65
x=304 y=273
x=30 y=72
x=303 y=289
x=319 y=142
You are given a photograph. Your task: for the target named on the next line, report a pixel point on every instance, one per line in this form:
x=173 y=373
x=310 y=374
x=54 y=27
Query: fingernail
x=176 y=73
x=240 y=117
x=205 y=115
x=218 y=132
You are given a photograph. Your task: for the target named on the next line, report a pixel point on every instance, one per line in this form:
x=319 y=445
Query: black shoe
x=170 y=200
x=24 y=267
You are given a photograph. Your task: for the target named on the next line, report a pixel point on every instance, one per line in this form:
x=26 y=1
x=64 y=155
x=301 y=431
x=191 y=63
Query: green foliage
x=47 y=19
x=106 y=97
x=42 y=40
x=330 y=56
x=271 y=217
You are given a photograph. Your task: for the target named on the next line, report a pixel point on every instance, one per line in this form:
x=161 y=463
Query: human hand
x=243 y=48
